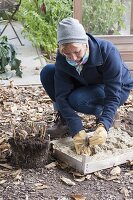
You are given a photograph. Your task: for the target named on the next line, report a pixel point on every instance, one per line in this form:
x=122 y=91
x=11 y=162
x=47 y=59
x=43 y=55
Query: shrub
x=40 y=19
x=103 y=17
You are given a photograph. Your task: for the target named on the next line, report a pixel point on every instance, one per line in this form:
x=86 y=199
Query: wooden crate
x=87 y=164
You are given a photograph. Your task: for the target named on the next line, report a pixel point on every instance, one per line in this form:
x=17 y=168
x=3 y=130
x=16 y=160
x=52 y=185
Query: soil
x=23 y=104
x=118 y=142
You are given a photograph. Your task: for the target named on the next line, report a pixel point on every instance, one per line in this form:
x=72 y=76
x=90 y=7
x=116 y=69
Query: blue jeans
x=87 y=100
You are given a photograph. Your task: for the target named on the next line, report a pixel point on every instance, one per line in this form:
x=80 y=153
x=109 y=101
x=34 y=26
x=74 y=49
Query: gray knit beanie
x=71 y=31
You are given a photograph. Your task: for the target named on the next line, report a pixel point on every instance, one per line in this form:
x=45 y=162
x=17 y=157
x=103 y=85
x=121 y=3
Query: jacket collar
x=95 y=55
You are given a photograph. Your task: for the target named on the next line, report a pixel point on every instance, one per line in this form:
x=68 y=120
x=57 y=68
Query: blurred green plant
x=8 y=57
x=103 y=17
x=40 y=19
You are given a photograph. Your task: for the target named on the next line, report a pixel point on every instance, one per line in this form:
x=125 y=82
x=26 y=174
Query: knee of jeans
x=74 y=101
x=47 y=73
x=82 y=105
x=48 y=69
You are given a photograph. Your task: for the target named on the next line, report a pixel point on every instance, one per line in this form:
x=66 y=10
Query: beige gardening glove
x=99 y=136
x=81 y=143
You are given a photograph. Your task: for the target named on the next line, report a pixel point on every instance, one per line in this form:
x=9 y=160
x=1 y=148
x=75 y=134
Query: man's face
x=74 y=51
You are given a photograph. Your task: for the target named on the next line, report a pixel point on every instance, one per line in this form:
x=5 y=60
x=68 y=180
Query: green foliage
x=40 y=19
x=103 y=17
x=8 y=57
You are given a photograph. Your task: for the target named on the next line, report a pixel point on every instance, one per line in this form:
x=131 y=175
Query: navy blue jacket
x=104 y=66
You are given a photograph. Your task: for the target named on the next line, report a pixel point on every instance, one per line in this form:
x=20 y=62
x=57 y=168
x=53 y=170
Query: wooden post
x=131 y=22
x=77 y=9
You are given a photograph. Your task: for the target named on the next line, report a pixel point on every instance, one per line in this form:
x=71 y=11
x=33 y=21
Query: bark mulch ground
x=29 y=110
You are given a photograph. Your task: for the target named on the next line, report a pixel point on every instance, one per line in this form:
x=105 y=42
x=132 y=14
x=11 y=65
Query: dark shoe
x=59 y=129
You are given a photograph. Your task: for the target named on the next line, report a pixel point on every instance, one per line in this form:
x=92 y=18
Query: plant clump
x=30 y=147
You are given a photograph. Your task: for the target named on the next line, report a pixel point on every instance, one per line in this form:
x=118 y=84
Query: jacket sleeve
x=63 y=87
x=112 y=75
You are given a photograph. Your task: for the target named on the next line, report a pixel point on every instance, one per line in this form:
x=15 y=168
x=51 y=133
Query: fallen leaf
x=40 y=109
x=116 y=181
x=4 y=146
x=51 y=165
x=6 y=166
x=16 y=172
x=2 y=160
x=125 y=192
x=26 y=197
x=41 y=186
x=18 y=177
x=14 y=109
x=78 y=197
x=88 y=177
x=115 y=171
x=131 y=181
x=77 y=174
x=3 y=171
x=16 y=182
x=2 y=181
x=23 y=134
x=117 y=124
x=80 y=179
x=129 y=172
x=112 y=178
x=2 y=140
x=99 y=175
x=67 y=181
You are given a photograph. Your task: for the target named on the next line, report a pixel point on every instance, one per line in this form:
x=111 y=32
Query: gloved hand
x=99 y=137
x=81 y=143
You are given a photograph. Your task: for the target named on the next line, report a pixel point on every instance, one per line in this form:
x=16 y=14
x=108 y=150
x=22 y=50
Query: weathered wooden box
x=106 y=156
